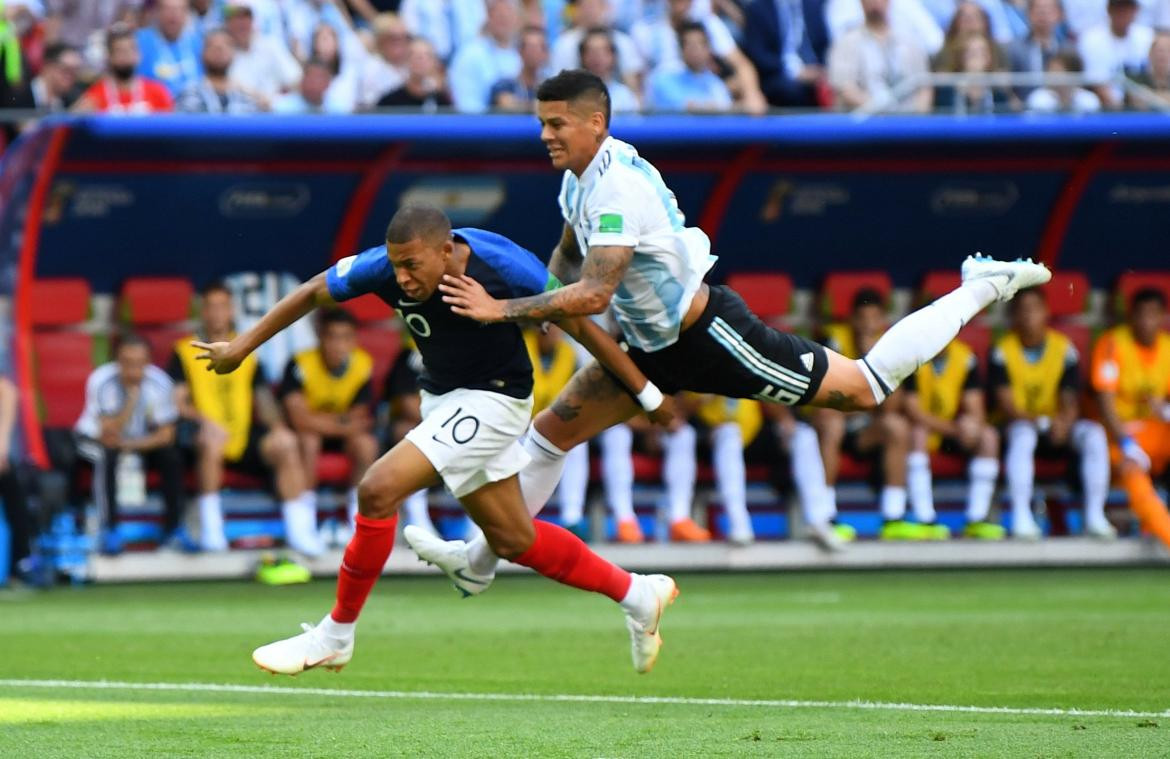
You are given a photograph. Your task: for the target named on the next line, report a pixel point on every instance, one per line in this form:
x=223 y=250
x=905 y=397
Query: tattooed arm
x=600 y=275
x=566 y=260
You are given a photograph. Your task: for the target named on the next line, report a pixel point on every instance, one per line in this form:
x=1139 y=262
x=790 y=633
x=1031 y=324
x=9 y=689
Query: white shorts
x=471 y=437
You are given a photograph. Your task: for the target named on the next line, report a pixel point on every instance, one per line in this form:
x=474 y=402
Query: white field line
x=580 y=698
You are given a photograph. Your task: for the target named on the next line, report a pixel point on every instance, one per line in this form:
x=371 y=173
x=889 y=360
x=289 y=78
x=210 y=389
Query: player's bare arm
x=602 y=272
x=566 y=260
x=225 y=357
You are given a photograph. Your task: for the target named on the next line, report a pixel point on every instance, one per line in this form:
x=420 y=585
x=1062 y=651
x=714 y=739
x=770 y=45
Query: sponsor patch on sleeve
x=610 y=222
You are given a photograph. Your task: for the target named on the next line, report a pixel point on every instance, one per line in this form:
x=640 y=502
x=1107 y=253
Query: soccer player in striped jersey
x=626 y=247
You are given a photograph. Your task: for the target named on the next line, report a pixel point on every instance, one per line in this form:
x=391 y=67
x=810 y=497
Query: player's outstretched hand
x=220 y=357
x=468 y=298
x=664 y=415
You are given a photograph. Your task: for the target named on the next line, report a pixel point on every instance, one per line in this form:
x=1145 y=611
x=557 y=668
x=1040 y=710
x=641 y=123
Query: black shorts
x=730 y=352
x=251 y=461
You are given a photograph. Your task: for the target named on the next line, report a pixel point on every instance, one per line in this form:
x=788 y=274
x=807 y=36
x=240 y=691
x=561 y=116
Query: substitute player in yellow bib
x=1131 y=375
x=1034 y=372
x=944 y=400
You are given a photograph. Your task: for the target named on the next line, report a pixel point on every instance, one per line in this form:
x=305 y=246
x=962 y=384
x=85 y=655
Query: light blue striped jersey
x=621 y=200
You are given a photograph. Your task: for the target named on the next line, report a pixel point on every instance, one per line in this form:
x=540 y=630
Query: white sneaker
x=741 y=539
x=1028 y=530
x=826 y=537
x=644 y=624
x=310 y=649
x=1008 y=277
x=449 y=556
x=1101 y=530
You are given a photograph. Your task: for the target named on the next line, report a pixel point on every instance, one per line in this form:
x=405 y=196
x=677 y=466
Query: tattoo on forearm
x=550 y=306
x=842 y=402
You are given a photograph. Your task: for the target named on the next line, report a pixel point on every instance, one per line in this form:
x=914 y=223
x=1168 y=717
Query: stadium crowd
x=350 y=56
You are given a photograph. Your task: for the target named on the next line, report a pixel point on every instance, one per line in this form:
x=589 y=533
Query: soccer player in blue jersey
x=626 y=247
x=476 y=403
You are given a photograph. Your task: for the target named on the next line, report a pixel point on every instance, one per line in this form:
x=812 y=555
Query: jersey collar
x=594 y=165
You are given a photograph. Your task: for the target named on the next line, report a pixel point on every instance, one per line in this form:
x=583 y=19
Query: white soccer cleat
x=1029 y=530
x=826 y=538
x=310 y=649
x=1008 y=277
x=449 y=556
x=644 y=624
x=1101 y=530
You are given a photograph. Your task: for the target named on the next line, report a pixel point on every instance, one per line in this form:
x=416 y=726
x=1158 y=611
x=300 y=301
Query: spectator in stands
x=25 y=20
x=385 y=70
x=447 y=24
x=1063 y=98
x=56 y=87
x=975 y=57
x=82 y=25
x=594 y=14
x=487 y=59
x=366 y=12
x=217 y=93
x=945 y=401
x=312 y=95
x=788 y=43
x=424 y=87
x=617 y=481
x=302 y=19
x=970 y=20
x=1083 y=15
x=1113 y=49
x=909 y=20
x=818 y=501
x=262 y=64
x=170 y=49
x=519 y=93
x=13 y=493
x=327 y=394
x=1035 y=376
x=217 y=411
x=1156 y=76
x=598 y=56
x=884 y=433
x=553 y=364
x=1046 y=40
x=130 y=411
x=343 y=90
x=15 y=75
x=659 y=44
x=868 y=66
x=121 y=90
x=204 y=16
x=401 y=401
x=693 y=87
x=1131 y=377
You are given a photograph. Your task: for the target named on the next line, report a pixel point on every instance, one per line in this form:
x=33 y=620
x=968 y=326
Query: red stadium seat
x=63 y=361
x=333 y=469
x=1132 y=281
x=383 y=345
x=1082 y=340
x=150 y=301
x=938 y=283
x=59 y=302
x=368 y=308
x=840 y=288
x=767 y=294
x=162 y=343
x=1067 y=293
x=978 y=338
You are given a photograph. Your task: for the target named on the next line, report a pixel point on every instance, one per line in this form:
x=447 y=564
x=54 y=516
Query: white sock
x=211 y=534
x=679 y=471
x=638 y=597
x=574 y=485
x=920 y=485
x=983 y=472
x=300 y=521
x=417 y=509
x=1089 y=440
x=1020 y=469
x=893 y=502
x=339 y=631
x=731 y=477
x=351 y=506
x=617 y=470
x=922 y=335
x=539 y=479
x=831 y=502
x=808 y=475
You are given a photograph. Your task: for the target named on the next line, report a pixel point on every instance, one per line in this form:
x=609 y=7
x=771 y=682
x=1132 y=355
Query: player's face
x=1145 y=320
x=1030 y=315
x=868 y=322
x=571 y=134
x=418 y=266
x=337 y=342
x=132 y=362
x=218 y=313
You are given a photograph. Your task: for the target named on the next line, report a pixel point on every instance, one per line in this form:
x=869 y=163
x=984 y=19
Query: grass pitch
x=434 y=675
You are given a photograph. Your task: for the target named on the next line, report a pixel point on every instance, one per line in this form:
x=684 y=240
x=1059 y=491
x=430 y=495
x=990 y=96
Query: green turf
x=1069 y=639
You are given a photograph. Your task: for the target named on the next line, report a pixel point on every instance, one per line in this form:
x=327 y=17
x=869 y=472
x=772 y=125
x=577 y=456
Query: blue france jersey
x=457 y=352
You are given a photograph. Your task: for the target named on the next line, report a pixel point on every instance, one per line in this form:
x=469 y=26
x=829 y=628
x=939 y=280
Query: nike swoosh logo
x=409 y=303
x=459 y=573
x=326 y=660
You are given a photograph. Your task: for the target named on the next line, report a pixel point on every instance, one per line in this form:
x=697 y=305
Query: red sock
x=365 y=556
x=560 y=555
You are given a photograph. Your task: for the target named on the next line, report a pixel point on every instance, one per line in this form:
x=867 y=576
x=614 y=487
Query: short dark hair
x=55 y=51
x=335 y=316
x=333 y=68
x=218 y=286
x=1039 y=292
x=130 y=340
x=1146 y=295
x=418 y=222
x=1071 y=60
x=867 y=296
x=596 y=31
x=691 y=26
x=117 y=32
x=572 y=85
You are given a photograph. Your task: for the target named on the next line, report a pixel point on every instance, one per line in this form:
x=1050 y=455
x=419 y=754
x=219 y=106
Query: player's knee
x=989 y=441
x=895 y=430
x=555 y=430
x=377 y=496
x=510 y=541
